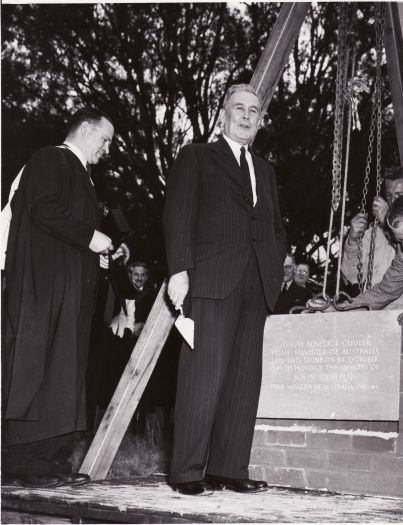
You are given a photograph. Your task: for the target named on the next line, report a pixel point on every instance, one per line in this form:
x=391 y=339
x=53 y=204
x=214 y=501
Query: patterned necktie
x=246 y=183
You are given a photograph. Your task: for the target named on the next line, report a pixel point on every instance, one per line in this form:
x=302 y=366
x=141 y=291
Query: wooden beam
x=394 y=58
x=399 y=6
x=277 y=50
x=131 y=386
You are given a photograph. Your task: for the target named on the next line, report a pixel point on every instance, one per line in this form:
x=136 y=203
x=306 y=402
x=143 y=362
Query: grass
x=140 y=454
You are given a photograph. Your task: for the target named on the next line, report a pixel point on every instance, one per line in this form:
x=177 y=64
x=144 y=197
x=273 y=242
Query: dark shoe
x=39 y=482
x=61 y=467
x=10 y=480
x=238 y=485
x=193 y=488
x=74 y=479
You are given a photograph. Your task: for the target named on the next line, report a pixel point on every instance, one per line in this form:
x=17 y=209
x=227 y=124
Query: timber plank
x=277 y=50
x=131 y=386
x=152 y=501
x=394 y=58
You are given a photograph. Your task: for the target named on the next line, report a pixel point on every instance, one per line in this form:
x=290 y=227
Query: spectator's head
x=241 y=113
x=139 y=273
x=393 y=184
x=301 y=275
x=289 y=268
x=394 y=218
x=91 y=130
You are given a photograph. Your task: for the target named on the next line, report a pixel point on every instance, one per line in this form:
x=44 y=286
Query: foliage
x=161 y=71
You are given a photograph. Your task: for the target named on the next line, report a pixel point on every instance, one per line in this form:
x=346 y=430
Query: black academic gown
x=51 y=279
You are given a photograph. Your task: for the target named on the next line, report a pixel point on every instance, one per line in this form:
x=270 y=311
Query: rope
x=344 y=198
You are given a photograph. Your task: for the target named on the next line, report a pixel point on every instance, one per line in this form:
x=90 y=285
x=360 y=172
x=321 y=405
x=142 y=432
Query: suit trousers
x=219 y=383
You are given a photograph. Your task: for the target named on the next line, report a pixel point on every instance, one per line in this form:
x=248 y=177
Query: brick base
x=349 y=460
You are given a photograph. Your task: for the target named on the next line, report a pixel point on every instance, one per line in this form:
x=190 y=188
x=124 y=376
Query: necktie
x=246 y=184
x=284 y=289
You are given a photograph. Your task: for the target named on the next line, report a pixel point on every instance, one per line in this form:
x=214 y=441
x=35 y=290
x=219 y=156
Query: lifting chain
x=376 y=121
x=341 y=85
x=342 y=61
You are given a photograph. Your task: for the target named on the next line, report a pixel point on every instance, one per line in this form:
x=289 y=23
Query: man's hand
x=137 y=328
x=122 y=251
x=380 y=209
x=359 y=224
x=100 y=243
x=178 y=287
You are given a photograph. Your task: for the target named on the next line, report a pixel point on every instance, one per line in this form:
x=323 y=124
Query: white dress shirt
x=77 y=152
x=236 y=150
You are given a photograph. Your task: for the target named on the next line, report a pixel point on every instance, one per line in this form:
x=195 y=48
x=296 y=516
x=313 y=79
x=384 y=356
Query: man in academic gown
x=51 y=272
x=225 y=246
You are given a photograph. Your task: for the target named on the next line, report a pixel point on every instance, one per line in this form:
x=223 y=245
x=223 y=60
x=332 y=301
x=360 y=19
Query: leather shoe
x=10 y=480
x=243 y=485
x=39 y=482
x=74 y=479
x=193 y=488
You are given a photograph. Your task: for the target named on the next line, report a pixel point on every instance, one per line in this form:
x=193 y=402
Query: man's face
x=289 y=268
x=241 y=117
x=139 y=275
x=393 y=189
x=98 y=138
x=397 y=229
x=301 y=274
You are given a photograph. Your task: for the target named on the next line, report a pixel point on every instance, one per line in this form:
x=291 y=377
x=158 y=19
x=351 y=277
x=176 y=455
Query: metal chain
x=379 y=29
x=376 y=115
x=339 y=105
x=341 y=78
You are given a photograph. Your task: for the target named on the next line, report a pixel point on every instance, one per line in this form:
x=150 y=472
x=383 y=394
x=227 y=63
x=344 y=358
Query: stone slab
x=339 y=365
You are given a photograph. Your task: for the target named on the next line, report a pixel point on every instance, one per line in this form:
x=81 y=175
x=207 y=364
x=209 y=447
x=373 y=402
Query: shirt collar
x=235 y=146
x=77 y=152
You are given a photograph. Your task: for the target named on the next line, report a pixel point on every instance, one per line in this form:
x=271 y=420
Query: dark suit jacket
x=295 y=296
x=210 y=227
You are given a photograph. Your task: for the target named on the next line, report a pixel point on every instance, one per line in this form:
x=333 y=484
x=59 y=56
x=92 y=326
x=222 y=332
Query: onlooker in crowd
x=119 y=338
x=302 y=274
x=391 y=285
x=384 y=249
x=51 y=271
x=225 y=249
x=292 y=294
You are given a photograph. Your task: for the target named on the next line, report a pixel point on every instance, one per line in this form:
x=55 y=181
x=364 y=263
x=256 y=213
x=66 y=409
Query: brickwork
x=350 y=461
x=364 y=457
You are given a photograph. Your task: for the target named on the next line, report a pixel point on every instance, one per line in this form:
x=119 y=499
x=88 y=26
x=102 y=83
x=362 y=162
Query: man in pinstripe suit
x=391 y=285
x=225 y=246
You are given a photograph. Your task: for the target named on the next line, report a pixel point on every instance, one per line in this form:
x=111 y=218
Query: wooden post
x=394 y=58
x=277 y=50
x=131 y=386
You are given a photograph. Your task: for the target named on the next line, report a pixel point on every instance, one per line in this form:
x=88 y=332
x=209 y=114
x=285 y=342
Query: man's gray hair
x=235 y=88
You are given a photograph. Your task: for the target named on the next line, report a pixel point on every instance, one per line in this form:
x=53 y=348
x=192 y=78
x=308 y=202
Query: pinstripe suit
x=388 y=289
x=234 y=256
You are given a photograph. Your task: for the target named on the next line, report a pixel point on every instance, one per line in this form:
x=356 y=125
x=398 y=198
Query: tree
x=161 y=71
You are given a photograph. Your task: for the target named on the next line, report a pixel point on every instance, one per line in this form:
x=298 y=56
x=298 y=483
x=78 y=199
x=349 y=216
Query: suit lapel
x=226 y=159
